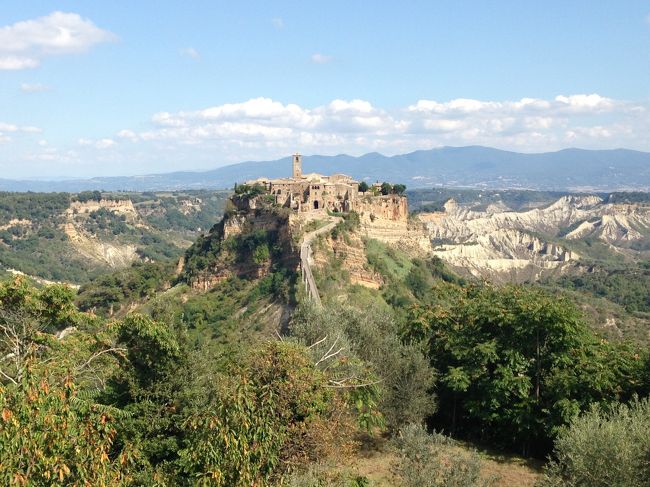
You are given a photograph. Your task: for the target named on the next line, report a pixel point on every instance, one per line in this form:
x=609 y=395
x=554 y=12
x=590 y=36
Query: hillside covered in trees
x=75 y=237
x=223 y=372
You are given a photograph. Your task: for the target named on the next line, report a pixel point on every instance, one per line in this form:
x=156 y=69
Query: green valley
x=208 y=363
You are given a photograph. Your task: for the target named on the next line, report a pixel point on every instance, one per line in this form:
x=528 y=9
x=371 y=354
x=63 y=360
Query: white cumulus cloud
x=17 y=130
x=127 y=134
x=101 y=144
x=104 y=143
x=586 y=103
x=263 y=128
x=23 y=44
x=10 y=127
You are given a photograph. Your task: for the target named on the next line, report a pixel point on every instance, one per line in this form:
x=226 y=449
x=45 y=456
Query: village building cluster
x=305 y=192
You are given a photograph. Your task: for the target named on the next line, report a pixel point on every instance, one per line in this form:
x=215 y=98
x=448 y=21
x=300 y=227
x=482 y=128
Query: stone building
x=304 y=192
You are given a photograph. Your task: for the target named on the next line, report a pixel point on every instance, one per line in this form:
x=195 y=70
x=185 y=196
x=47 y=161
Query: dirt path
x=305 y=260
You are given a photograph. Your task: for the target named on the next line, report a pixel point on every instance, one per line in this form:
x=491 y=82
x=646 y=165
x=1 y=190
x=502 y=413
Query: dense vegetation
x=33 y=239
x=247 y=250
x=626 y=285
x=516 y=364
x=135 y=403
x=186 y=212
x=136 y=283
x=142 y=379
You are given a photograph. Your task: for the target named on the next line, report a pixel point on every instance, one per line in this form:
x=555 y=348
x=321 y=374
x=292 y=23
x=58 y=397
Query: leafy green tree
x=236 y=443
x=268 y=415
x=386 y=188
x=370 y=352
x=151 y=387
x=363 y=186
x=29 y=318
x=516 y=363
x=399 y=189
x=48 y=436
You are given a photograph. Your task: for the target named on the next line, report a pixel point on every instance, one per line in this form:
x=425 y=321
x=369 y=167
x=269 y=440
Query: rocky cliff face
x=615 y=224
x=110 y=253
x=113 y=255
x=351 y=251
x=526 y=245
x=246 y=243
x=386 y=218
x=120 y=207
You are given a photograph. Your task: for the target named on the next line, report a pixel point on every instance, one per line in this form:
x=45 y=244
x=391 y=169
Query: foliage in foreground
x=516 y=363
x=428 y=460
x=367 y=348
x=48 y=436
x=137 y=404
x=605 y=447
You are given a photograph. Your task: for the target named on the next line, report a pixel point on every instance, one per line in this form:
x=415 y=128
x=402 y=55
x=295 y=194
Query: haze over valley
x=472 y=167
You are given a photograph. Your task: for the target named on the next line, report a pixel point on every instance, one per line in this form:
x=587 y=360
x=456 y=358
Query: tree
x=399 y=188
x=48 y=436
x=29 y=318
x=273 y=412
x=363 y=186
x=370 y=351
x=153 y=387
x=86 y=196
x=386 y=188
x=51 y=433
x=516 y=363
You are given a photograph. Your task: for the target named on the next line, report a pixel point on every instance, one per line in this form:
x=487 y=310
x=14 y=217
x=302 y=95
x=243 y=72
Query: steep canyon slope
x=72 y=238
x=504 y=245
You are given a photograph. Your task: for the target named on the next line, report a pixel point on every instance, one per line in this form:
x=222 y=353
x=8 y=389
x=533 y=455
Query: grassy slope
x=378 y=462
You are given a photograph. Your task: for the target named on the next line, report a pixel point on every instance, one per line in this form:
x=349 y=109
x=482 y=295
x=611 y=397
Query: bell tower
x=297 y=166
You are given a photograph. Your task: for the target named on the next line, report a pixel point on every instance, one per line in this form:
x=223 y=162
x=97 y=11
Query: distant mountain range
x=472 y=166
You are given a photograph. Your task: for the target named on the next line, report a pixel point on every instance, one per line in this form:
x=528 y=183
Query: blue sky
x=116 y=88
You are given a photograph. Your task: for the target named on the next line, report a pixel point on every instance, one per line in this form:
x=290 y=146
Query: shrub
x=431 y=461
x=273 y=413
x=370 y=344
x=604 y=447
x=251 y=191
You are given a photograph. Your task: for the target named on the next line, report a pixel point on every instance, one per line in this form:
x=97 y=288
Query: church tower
x=297 y=166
